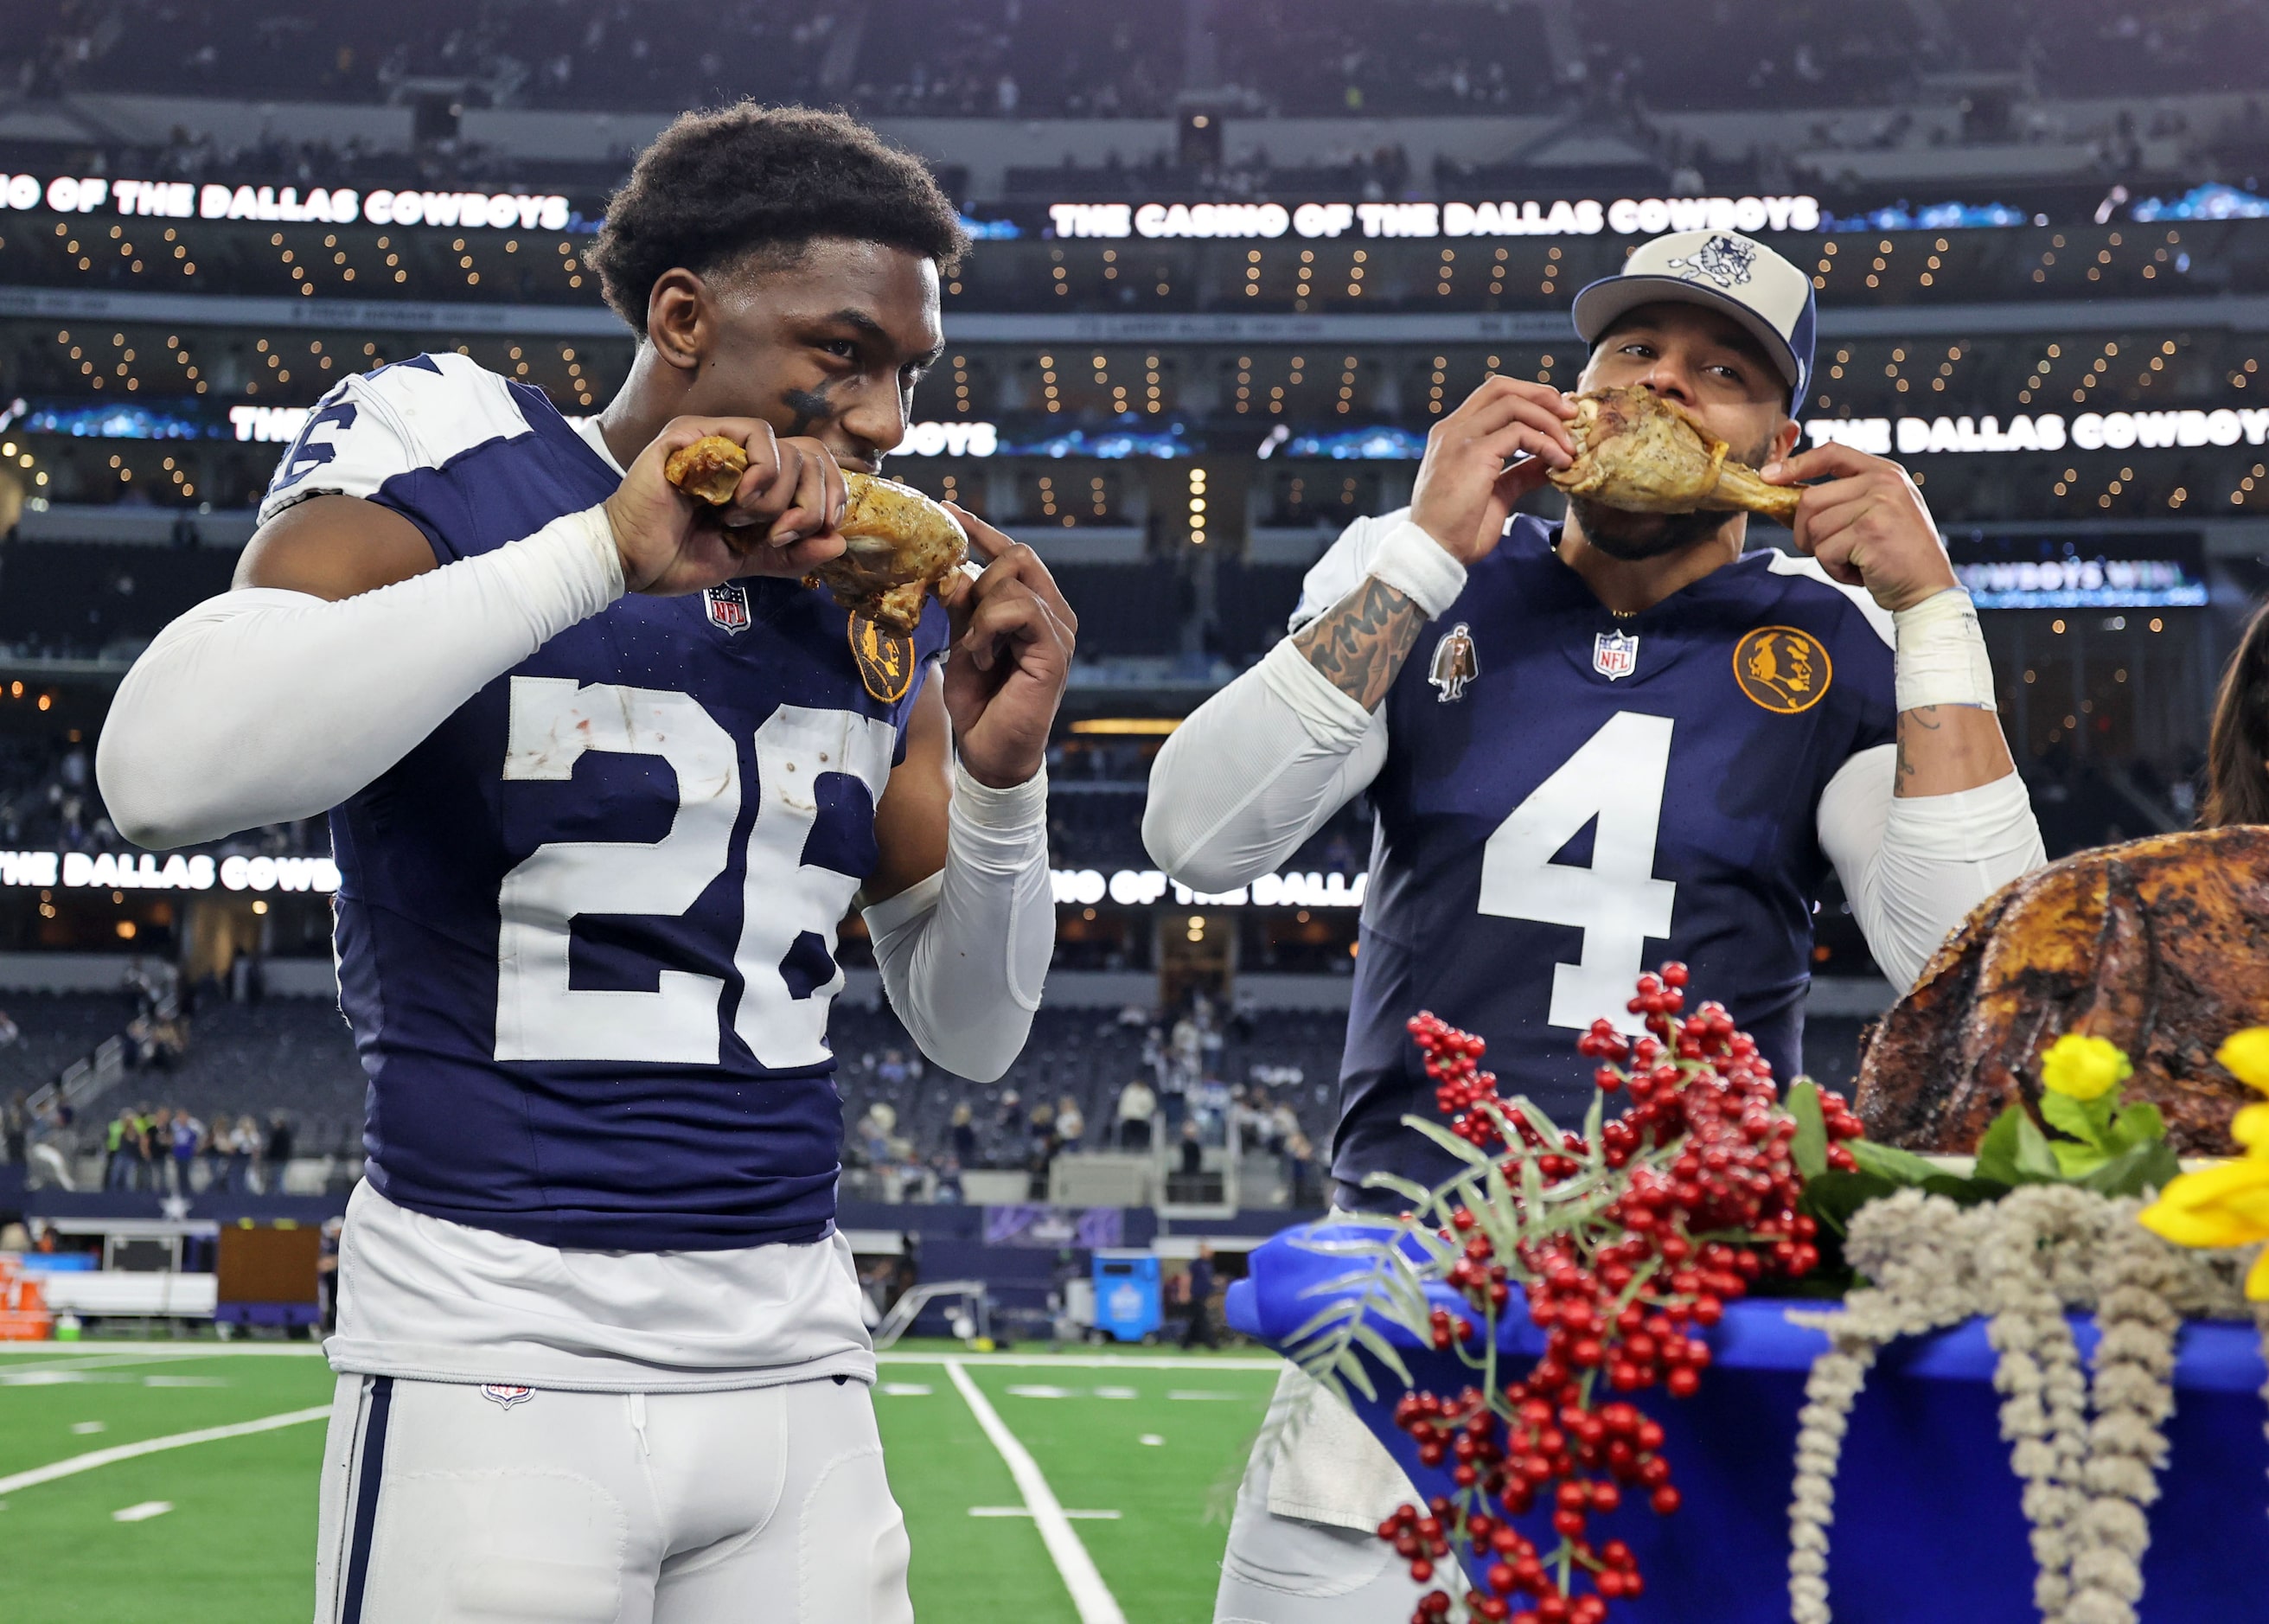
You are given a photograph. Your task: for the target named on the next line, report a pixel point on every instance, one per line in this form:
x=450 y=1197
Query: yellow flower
x=2226 y=1205
x=2246 y=1054
x=2085 y=1067
x=2249 y=1127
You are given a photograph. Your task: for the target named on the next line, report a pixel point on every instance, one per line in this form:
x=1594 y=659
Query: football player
x=1622 y=739
x=603 y=777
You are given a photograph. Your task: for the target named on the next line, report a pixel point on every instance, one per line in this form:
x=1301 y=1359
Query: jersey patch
x=886 y=659
x=1615 y=654
x=1785 y=670
x=1455 y=664
x=728 y=606
x=504 y=1396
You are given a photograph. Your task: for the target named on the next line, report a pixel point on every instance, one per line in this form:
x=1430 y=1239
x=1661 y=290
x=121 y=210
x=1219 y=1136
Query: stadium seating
x=54 y=1029
x=1047 y=58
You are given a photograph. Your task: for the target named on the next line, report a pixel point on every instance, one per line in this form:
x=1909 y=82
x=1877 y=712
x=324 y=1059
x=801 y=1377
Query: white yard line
x=112 y=1456
x=160 y=1350
x=1089 y=1594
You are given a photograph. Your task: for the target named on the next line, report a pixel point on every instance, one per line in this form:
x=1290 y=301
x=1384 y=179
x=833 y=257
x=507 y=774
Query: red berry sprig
x=1703 y=1204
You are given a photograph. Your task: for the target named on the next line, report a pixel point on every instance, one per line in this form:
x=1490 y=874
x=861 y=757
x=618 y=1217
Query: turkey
x=898 y=543
x=1636 y=451
x=2162 y=946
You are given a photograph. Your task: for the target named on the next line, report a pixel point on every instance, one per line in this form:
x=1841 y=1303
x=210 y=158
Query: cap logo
x=1726 y=261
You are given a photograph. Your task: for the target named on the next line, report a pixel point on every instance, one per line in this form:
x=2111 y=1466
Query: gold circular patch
x=886 y=659
x=1782 y=669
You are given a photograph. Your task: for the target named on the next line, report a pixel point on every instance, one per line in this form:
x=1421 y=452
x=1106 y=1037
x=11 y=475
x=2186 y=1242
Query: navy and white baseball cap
x=1723 y=270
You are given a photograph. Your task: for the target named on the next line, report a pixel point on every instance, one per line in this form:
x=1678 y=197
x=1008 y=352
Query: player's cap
x=1723 y=270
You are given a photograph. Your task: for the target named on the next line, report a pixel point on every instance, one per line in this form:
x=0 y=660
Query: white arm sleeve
x=1255 y=771
x=1913 y=866
x=263 y=706
x=964 y=953
x=1258 y=768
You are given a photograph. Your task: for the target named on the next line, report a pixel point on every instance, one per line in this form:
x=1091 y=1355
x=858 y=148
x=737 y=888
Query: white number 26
x=539 y=1015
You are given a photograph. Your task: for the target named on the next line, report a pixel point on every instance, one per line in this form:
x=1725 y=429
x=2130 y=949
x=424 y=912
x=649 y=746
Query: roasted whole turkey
x=898 y=543
x=1636 y=451
x=2160 y=946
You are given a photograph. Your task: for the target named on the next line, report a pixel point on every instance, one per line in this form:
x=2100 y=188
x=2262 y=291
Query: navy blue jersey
x=585 y=929
x=1569 y=798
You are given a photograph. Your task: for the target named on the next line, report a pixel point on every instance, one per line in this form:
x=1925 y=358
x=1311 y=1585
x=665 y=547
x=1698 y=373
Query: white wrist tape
x=1942 y=654
x=1420 y=568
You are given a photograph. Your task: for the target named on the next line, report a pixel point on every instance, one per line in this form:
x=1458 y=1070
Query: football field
x=173 y=1480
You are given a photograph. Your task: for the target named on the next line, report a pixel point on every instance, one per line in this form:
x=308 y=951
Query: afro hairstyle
x=746 y=181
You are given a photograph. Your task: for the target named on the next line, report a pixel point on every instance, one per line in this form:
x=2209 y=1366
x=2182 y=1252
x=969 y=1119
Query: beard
x=1634 y=538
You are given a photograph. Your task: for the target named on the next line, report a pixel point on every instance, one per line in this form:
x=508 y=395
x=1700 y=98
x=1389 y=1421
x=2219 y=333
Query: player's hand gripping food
x=1637 y=451
x=897 y=543
x=710 y=469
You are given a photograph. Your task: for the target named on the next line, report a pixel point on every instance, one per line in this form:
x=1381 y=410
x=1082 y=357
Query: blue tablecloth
x=1928 y=1529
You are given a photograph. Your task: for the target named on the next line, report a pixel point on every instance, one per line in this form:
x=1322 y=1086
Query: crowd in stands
x=1235 y=1082
x=1056 y=58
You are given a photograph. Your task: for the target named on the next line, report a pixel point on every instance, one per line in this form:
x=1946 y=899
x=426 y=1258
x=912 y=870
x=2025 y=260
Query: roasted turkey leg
x=1636 y=451
x=898 y=543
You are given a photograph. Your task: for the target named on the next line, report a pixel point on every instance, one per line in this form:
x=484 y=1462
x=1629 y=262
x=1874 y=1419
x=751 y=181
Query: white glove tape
x=1420 y=568
x=1942 y=654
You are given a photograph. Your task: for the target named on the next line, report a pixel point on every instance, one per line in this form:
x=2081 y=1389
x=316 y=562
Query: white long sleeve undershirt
x=264 y=706
x=1912 y=867
x=963 y=954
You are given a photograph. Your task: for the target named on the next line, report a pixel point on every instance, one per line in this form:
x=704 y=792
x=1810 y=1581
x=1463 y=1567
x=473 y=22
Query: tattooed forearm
x=1360 y=643
x=1944 y=748
x=1923 y=716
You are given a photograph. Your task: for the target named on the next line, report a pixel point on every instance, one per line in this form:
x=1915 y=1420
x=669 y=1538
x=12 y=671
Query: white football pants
x=444 y=1503
x=1302 y=1544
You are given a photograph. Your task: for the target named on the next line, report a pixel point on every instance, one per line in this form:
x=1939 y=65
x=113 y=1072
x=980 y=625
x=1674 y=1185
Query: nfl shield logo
x=504 y=1395
x=1615 y=656
x=728 y=606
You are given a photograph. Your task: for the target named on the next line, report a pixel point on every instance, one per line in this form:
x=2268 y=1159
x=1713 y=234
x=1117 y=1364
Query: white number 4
x=1619 y=777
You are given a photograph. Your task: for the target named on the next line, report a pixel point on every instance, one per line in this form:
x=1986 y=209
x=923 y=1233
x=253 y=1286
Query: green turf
x=237 y=1544
x=1162 y=1556
x=237 y=1547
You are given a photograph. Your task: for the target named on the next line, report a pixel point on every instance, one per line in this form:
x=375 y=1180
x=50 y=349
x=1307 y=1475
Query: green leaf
x=2077 y=1161
x=2148 y=1166
x=2089 y=1121
x=1833 y=1197
x=2138 y=1125
x=1465 y=1151
x=1964 y=1191
x=1417 y=1194
x=2015 y=1151
x=1901 y=1167
x=1809 y=1149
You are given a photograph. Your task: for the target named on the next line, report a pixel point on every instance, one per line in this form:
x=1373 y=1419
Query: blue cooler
x=1126 y=1296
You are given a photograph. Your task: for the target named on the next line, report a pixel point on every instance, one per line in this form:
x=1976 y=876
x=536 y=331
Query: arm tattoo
x=1360 y=643
x=1925 y=716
